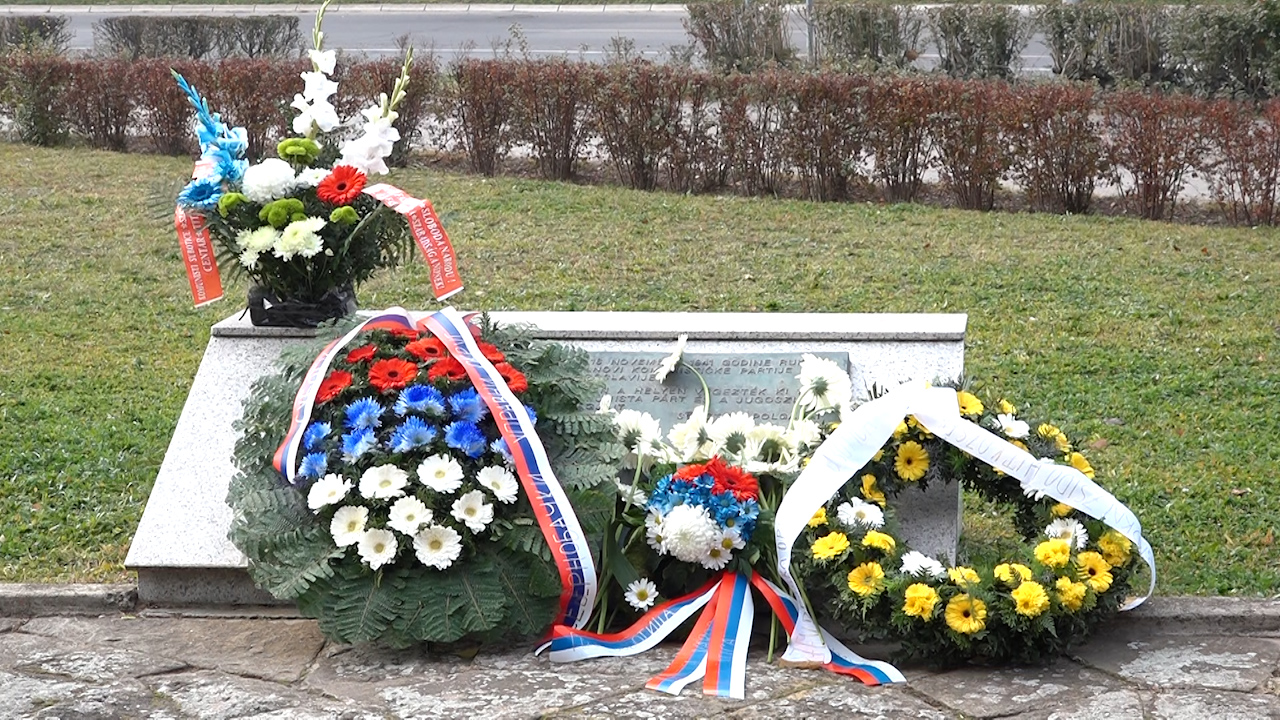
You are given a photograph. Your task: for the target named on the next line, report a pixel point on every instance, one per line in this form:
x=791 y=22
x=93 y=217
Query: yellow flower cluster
x=1054 y=553
x=966 y=615
x=829 y=546
x=919 y=601
x=879 y=541
x=912 y=461
x=1115 y=547
x=1030 y=598
x=870 y=492
x=969 y=403
x=1012 y=573
x=866 y=579
x=962 y=576
x=819 y=518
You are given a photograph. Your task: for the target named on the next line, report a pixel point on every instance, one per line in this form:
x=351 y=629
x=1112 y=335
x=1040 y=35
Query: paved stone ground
x=1188 y=665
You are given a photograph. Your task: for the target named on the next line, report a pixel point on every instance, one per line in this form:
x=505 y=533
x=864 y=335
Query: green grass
x=1157 y=343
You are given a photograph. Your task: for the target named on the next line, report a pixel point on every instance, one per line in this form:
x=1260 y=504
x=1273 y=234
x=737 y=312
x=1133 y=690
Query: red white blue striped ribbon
x=559 y=524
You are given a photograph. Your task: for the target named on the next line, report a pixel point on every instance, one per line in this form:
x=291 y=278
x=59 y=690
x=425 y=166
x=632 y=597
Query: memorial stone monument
x=748 y=360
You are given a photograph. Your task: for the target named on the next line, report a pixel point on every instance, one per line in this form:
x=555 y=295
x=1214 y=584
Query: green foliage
x=740 y=36
x=867 y=34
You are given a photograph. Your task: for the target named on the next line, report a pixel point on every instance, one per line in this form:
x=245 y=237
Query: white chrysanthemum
x=408 y=514
x=269 y=180
x=690 y=532
x=348 y=523
x=1012 y=427
x=631 y=494
x=920 y=565
x=690 y=439
x=472 y=510
x=311 y=177
x=804 y=432
x=440 y=473
x=729 y=433
x=260 y=240
x=383 y=482
x=377 y=548
x=637 y=430
x=330 y=489
x=500 y=481
x=823 y=384
x=669 y=363
x=606 y=405
x=300 y=238
x=249 y=259
x=641 y=594
x=716 y=557
x=784 y=463
x=323 y=60
x=1070 y=530
x=857 y=513
x=437 y=546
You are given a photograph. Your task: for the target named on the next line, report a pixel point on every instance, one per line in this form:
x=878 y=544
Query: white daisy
x=669 y=363
x=440 y=473
x=716 y=557
x=690 y=438
x=377 y=548
x=473 y=510
x=383 y=481
x=1070 y=530
x=630 y=494
x=437 y=546
x=823 y=384
x=690 y=532
x=500 y=481
x=1012 y=427
x=731 y=539
x=330 y=489
x=641 y=594
x=920 y=565
x=347 y=526
x=408 y=514
x=860 y=513
x=729 y=433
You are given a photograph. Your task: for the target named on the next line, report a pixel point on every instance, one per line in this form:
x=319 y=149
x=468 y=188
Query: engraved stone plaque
x=763 y=385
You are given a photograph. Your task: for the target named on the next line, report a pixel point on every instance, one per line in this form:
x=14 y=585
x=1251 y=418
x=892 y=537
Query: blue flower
x=467 y=406
x=227 y=164
x=314 y=465
x=466 y=437
x=364 y=413
x=748 y=509
x=704 y=481
x=412 y=433
x=420 y=398
x=357 y=443
x=202 y=194
x=500 y=447
x=533 y=416
x=316 y=432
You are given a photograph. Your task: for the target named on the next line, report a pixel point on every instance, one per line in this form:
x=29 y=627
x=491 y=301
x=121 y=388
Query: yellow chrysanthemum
x=912 y=461
x=1061 y=509
x=901 y=430
x=1019 y=444
x=914 y=424
x=878 y=456
x=1012 y=573
x=1007 y=407
x=870 y=492
x=1115 y=548
x=962 y=576
x=1062 y=443
x=829 y=546
x=1093 y=569
x=1079 y=462
x=819 y=518
x=879 y=541
x=866 y=579
x=919 y=601
x=1070 y=594
x=969 y=403
x=1047 y=431
x=1031 y=599
x=1054 y=553
x=966 y=615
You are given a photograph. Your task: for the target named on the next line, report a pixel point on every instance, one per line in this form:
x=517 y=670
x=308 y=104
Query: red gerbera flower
x=392 y=374
x=337 y=381
x=427 y=348
x=729 y=478
x=341 y=186
x=448 y=368
x=491 y=352
x=361 y=354
x=689 y=472
x=406 y=333
x=515 y=379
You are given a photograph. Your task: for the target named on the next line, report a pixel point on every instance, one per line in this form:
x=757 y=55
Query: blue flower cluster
x=724 y=508
x=222 y=145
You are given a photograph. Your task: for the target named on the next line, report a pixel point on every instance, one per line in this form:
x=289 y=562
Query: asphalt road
x=576 y=31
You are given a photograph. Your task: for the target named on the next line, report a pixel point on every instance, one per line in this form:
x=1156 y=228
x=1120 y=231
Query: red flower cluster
x=728 y=478
x=392 y=374
x=333 y=385
x=341 y=186
x=362 y=354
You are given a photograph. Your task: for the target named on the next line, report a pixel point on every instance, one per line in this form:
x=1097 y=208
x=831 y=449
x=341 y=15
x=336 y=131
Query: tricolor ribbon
x=937 y=409
x=556 y=519
x=716 y=648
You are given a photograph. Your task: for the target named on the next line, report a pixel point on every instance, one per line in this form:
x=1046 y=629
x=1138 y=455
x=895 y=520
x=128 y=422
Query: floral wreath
x=404 y=521
x=1028 y=599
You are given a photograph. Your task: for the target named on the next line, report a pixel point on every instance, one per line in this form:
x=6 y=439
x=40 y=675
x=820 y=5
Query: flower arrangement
x=1020 y=601
x=405 y=497
x=304 y=227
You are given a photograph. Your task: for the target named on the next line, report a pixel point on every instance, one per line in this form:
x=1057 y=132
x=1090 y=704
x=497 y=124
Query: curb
x=39 y=599
x=1190 y=615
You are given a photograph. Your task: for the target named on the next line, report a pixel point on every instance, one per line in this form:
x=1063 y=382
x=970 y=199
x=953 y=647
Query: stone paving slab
x=981 y=693
x=1242 y=664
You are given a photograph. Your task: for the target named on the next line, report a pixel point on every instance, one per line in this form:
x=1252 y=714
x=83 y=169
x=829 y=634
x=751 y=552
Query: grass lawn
x=1157 y=343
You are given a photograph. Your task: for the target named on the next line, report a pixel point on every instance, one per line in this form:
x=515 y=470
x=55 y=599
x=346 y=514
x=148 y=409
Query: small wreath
x=1021 y=601
x=406 y=522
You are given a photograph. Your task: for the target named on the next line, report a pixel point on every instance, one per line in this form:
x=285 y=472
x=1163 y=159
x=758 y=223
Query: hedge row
x=825 y=136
